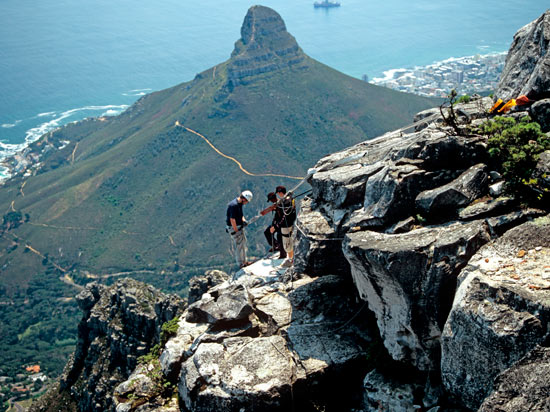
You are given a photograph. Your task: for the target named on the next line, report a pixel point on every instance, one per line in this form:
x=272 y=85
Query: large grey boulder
x=409 y=280
x=236 y=373
x=233 y=305
x=343 y=186
x=447 y=199
x=500 y=312
x=527 y=68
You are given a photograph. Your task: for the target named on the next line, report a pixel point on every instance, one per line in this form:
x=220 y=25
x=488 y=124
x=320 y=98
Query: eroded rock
x=408 y=281
x=120 y=323
x=462 y=191
x=500 y=312
x=199 y=285
x=527 y=68
x=305 y=337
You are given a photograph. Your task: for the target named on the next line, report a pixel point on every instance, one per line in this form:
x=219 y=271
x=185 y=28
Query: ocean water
x=66 y=60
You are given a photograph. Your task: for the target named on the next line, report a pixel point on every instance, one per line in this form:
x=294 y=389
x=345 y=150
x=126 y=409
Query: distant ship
x=326 y=3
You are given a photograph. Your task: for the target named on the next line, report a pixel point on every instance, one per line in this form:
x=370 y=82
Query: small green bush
x=168 y=330
x=463 y=99
x=516 y=147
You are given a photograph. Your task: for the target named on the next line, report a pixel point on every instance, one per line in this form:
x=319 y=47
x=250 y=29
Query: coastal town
x=467 y=75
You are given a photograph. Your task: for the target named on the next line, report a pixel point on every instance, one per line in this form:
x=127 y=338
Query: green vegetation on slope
x=37 y=325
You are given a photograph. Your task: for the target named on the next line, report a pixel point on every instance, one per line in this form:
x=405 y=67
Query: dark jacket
x=234 y=211
x=285 y=214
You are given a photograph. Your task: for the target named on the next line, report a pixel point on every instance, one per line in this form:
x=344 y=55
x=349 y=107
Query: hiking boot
x=286 y=263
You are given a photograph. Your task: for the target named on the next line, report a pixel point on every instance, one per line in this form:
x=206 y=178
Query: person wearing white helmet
x=235 y=223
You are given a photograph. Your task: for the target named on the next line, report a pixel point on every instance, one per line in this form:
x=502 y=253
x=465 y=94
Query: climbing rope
x=333 y=330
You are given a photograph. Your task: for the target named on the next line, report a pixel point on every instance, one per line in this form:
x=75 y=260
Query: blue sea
x=65 y=60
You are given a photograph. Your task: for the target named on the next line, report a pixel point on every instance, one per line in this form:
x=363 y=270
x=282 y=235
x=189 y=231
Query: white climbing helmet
x=247 y=194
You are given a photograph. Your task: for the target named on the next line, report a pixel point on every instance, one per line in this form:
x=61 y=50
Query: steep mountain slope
x=137 y=192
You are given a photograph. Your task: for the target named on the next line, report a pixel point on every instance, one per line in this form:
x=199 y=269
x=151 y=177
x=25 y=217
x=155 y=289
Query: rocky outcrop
x=407 y=280
x=265 y=46
x=409 y=211
x=291 y=343
x=500 y=313
x=120 y=323
x=456 y=194
x=318 y=248
x=199 y=285
x=527 y=68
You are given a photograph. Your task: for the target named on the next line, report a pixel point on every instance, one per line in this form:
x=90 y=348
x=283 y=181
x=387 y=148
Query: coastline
x=16 y=159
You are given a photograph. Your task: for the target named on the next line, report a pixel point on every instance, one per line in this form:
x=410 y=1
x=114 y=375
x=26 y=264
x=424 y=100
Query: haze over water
x=66 y=60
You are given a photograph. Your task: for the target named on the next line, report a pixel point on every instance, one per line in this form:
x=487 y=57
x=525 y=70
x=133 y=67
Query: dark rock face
x=542 y=171
x=120 y=323
x=462 y=191
x=523 y=387
x=527 y=68
x=386 y=394
x=265 y=46
x=540 y=112
x=200 y=284
x=318 y=247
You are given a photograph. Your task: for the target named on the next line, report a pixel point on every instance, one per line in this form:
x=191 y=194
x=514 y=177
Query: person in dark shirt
x=273 y=238
x=285 y=215
x=235 y=223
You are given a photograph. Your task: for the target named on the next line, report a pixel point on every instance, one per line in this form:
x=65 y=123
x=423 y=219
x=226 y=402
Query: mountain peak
x=264 y=25
x=265 y=46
